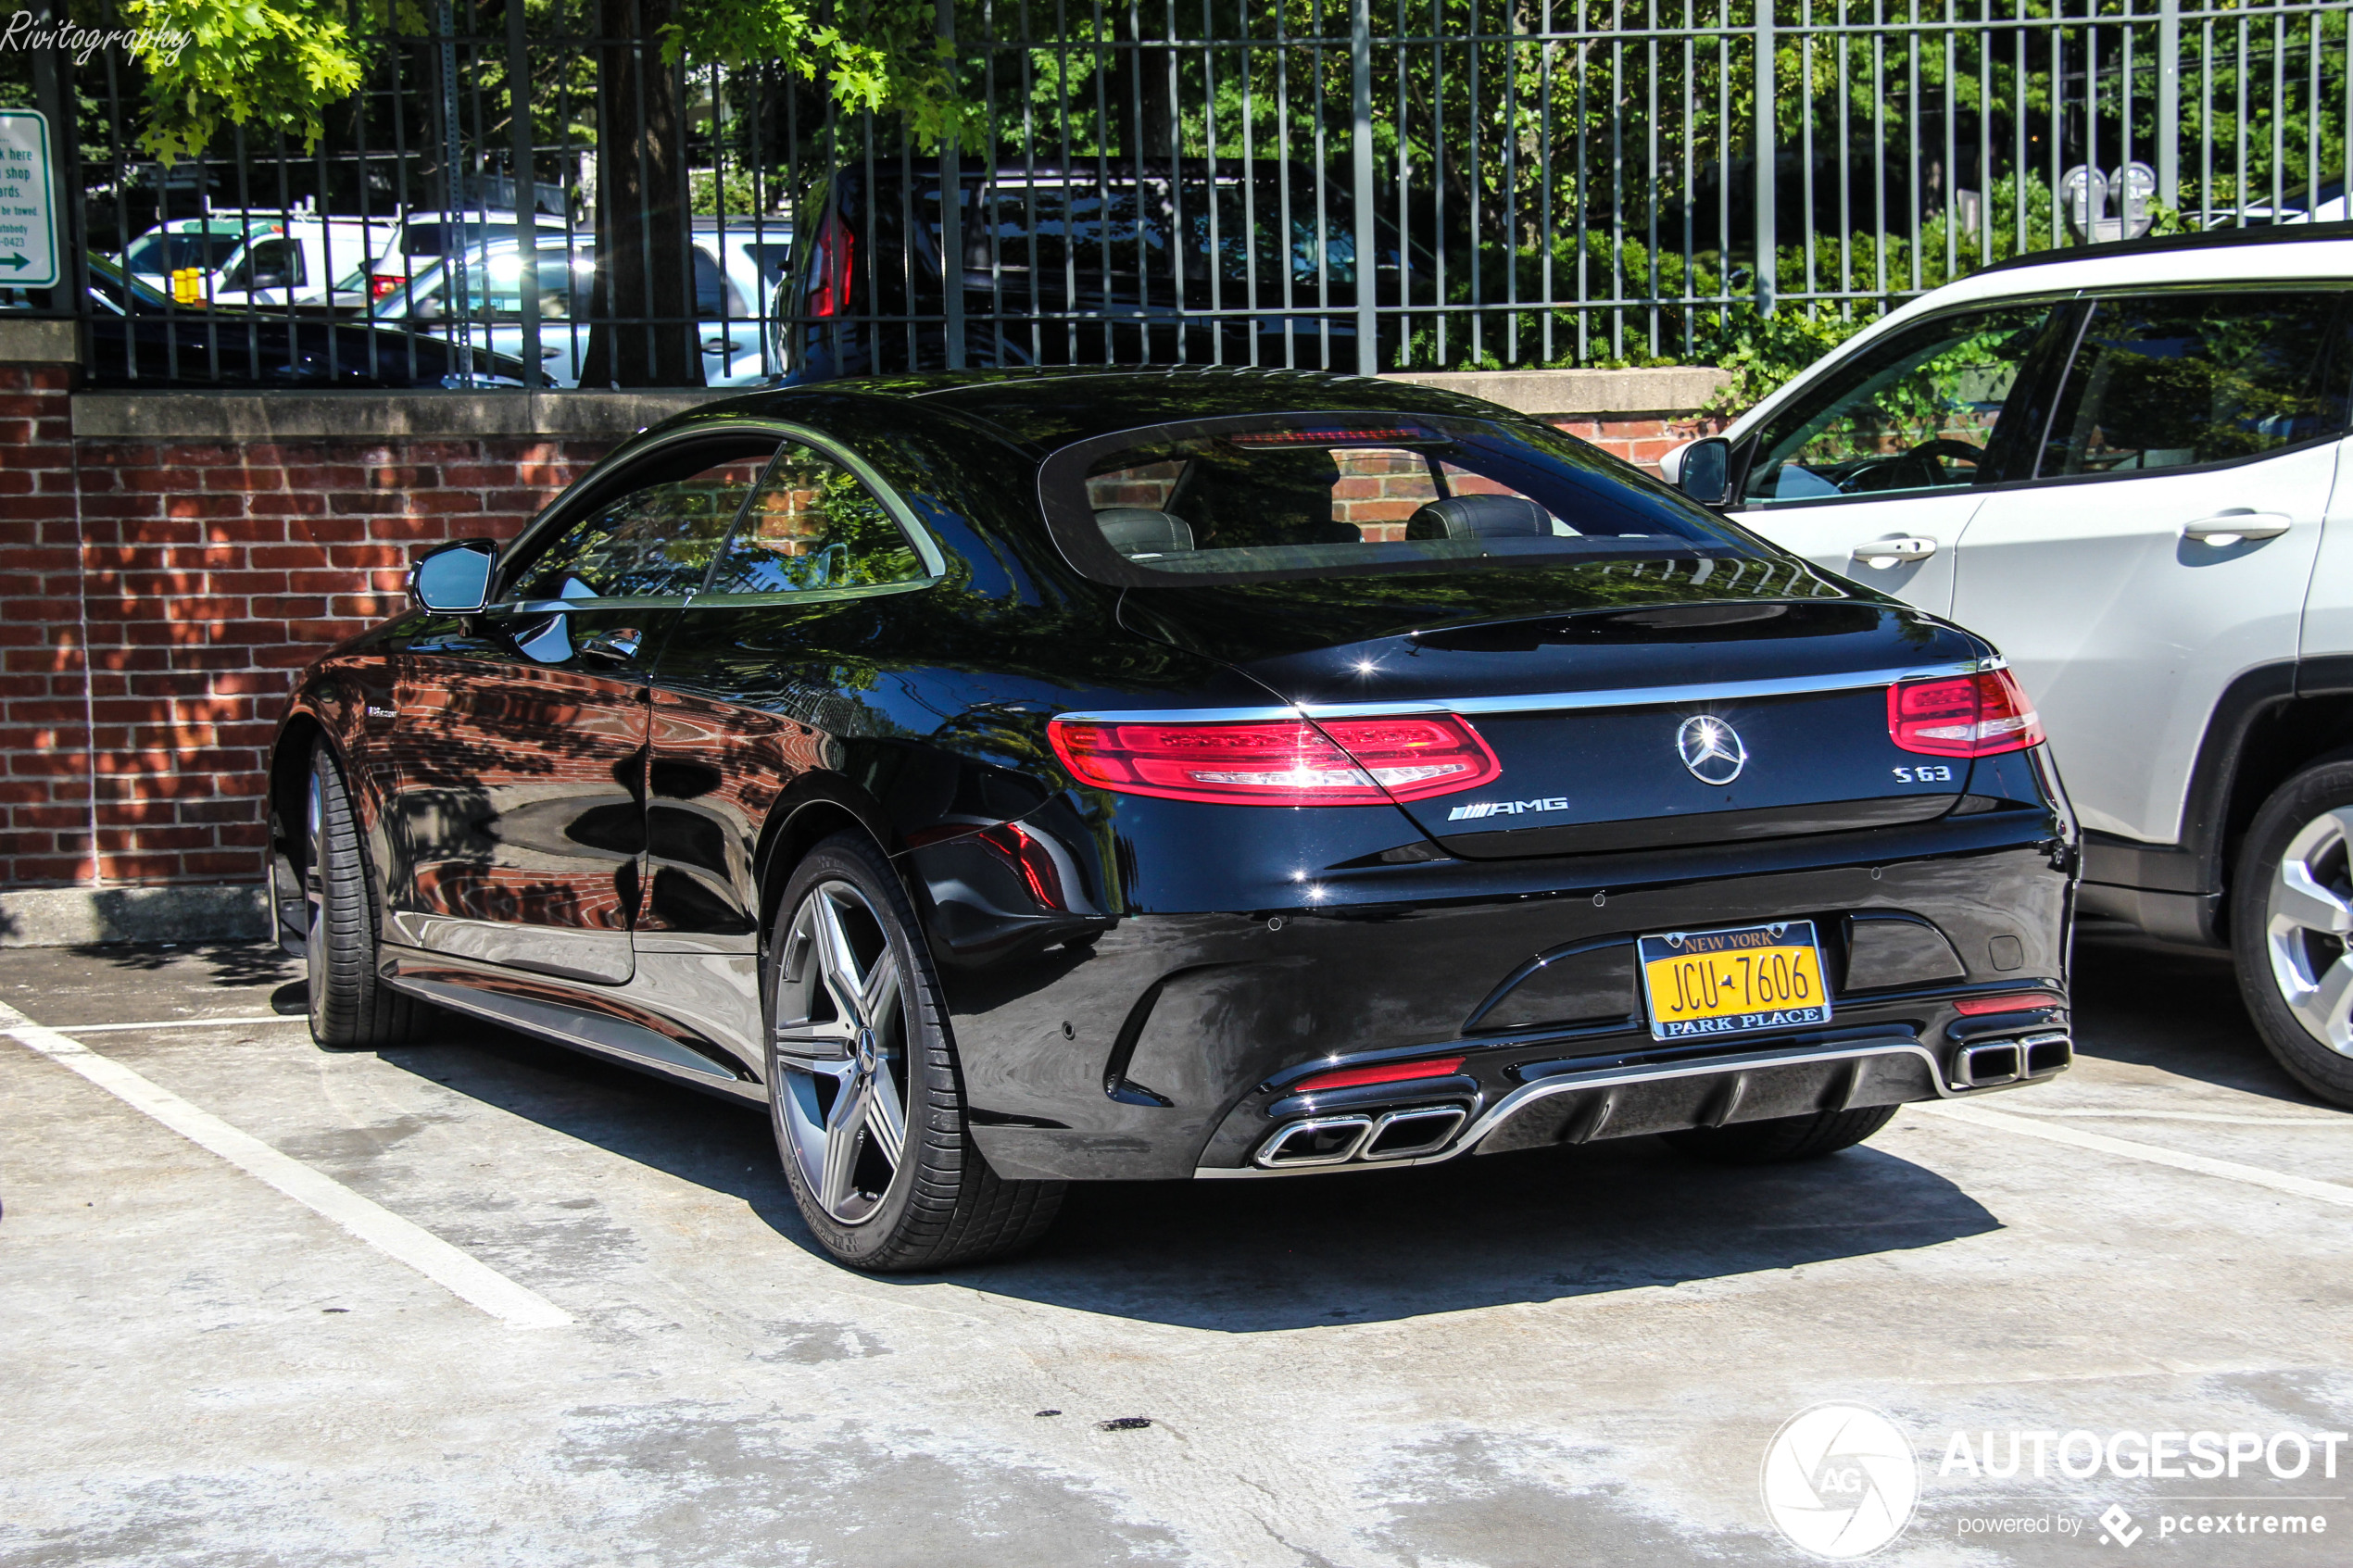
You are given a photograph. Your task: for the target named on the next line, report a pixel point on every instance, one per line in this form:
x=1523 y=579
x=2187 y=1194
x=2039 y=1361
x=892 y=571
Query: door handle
x=1884 y=553
x=720 y=346
x=2239 y=523
x=620 y=644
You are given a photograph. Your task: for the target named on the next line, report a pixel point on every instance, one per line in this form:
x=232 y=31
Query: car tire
x=350 y=1005
x=1782 y=1138
x=859 y=1058
x=2291 y=920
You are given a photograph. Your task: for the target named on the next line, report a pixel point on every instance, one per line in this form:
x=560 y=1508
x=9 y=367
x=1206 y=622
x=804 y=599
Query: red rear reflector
x=2022 y=1002
x=1963 y=716
x=1279 y=761
x=1030 y=858
x=1388 y=1073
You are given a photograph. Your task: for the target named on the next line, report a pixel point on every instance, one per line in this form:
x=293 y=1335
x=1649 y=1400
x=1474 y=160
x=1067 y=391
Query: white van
x=232 y=260
x=2126 y=467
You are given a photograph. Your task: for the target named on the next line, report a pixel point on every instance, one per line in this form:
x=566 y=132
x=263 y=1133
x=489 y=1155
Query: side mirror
x=454 y=579
x=1706 y=472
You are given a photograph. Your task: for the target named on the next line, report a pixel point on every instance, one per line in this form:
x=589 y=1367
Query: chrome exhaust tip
x=1319 y=1140
x=2010 y=1061
x=1401 y=1134
x=2047 y=1053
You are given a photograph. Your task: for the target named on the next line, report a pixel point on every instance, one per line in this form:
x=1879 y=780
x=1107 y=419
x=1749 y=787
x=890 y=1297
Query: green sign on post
x=28 y=202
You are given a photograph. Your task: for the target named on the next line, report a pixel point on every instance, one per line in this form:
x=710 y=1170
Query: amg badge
x=1507 y=807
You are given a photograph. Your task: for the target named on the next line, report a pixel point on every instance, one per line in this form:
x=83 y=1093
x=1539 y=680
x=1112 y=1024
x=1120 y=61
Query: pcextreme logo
x=1507 y=807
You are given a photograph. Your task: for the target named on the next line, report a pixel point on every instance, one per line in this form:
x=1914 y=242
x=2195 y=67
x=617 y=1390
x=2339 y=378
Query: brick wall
x=207 y=572
x=45 y=756
x=206 y=575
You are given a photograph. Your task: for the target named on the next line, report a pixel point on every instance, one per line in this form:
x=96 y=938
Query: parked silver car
x=734 y=271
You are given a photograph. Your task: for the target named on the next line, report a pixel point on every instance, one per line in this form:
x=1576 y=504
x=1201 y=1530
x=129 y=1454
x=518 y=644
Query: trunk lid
x=1696 y=717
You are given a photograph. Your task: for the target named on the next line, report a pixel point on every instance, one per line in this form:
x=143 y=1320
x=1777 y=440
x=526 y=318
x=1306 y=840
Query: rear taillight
x=1387 y=1073
x=382 y=285
x=1963 y=716
x=1279 y=761
x=829 y=266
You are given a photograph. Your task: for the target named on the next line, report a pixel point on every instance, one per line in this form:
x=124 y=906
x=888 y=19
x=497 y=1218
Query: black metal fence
x=527 y=193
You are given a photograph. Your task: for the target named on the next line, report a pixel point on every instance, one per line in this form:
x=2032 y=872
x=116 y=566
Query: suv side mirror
x=1706 y=472
x=454 y=579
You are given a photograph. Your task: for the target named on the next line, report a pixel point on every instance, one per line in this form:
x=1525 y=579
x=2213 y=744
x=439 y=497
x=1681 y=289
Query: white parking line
x=466 y=1277
x=2336 y=1123
x=2230 y=1170
x=180 y=1024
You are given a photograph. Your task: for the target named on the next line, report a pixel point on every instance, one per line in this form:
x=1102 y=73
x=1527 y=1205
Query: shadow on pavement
x=2175 y=1008
x=232 y=964
x=1295 y=1252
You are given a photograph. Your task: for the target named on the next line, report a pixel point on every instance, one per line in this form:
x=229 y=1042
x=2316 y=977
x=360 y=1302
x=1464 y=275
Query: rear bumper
x=1579 y=1104
x=1160 y=1046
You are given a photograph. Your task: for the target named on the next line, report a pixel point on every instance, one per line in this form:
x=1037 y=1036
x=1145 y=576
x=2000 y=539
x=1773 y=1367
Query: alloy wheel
x=841 y=1095
x=2309 y=921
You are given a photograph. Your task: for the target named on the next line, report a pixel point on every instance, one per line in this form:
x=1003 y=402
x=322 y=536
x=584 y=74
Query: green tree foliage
x=270 y=65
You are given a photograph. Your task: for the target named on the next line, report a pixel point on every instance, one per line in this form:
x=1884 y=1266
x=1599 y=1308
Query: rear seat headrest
x=1139 y=531
x=1479 y=517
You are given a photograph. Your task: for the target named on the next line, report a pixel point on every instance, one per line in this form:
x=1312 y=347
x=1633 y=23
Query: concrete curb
x=371 y=416
x=72 y=917
x=392 y=416
x=39 y=342
x=1669 y=389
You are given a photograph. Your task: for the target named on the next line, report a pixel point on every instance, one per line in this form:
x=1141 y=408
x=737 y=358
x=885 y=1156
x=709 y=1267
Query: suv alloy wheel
x=2291 y=923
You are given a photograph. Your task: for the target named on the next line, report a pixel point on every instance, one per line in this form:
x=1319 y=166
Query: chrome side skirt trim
x=601 y=957
x=582 y=1030
x=1519 y=1100
x=1546 y=702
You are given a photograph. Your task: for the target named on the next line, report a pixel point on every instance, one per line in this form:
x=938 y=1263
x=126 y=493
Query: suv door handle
x=1884 y=553
x=2227 y=528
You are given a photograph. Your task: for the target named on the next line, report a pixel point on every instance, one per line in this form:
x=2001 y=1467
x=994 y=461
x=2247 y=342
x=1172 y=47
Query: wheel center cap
x=865 y=1050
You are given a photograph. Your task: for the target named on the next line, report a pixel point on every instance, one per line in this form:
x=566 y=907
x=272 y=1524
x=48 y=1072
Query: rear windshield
x=1335 y=494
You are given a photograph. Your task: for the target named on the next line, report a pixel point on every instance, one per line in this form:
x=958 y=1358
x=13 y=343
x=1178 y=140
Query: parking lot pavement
x=1542 y=1359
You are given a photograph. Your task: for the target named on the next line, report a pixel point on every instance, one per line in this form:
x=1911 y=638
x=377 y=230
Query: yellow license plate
x=1741 y=981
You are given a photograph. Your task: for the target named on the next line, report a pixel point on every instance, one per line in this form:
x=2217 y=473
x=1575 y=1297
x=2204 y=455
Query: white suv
x=2126 y=466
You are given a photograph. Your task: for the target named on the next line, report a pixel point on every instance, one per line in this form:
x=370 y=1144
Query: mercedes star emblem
x=1711 y=750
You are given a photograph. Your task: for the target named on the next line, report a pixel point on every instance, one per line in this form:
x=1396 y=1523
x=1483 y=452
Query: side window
x=273 y=263
x=1928 y=409
x=657 y=540
x=813 y=525
x=715 y=297
x=2172 y=381
x=494 y=286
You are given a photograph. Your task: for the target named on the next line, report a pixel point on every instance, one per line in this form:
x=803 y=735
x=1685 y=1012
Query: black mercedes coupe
x=1012 y=779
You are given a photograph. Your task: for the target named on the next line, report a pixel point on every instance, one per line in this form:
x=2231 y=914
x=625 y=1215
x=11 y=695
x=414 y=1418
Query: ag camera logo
x=1840 y=1481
